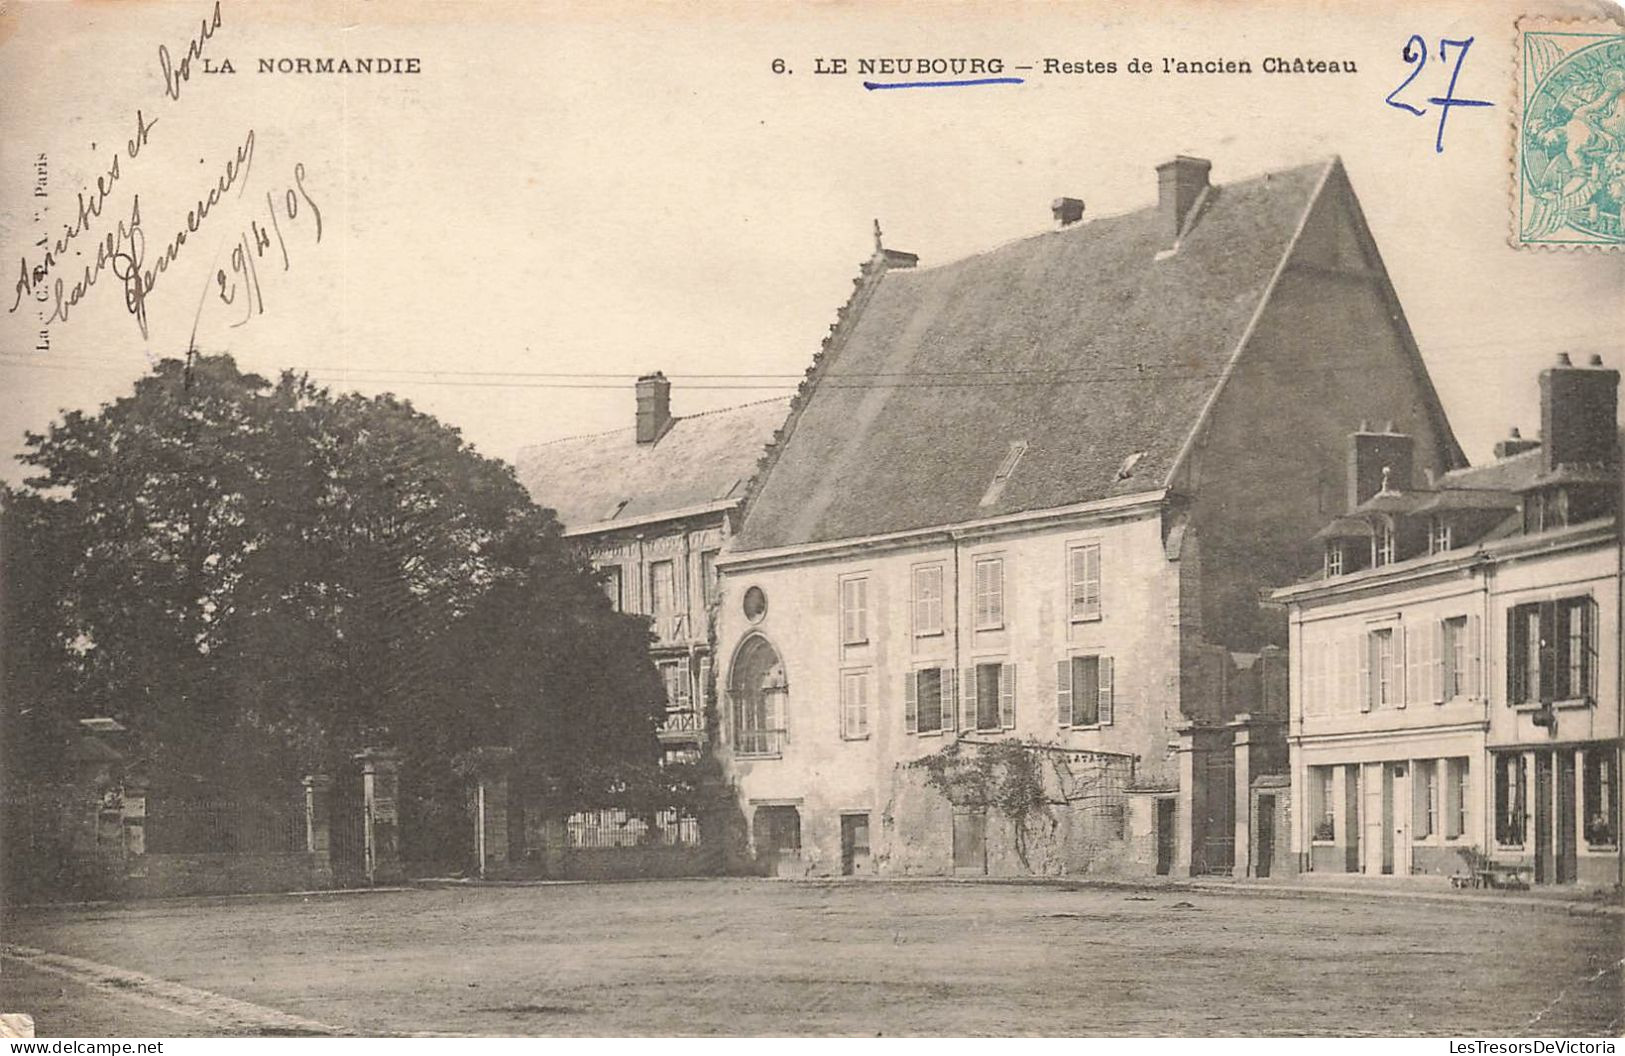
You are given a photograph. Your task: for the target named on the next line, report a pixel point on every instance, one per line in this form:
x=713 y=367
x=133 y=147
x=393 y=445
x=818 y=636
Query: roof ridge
x=674 y=418
x=1324 y=163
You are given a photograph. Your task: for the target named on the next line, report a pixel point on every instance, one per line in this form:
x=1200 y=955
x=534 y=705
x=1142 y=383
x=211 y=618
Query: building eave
x=1404 y=573
x=607 y=527
x=1096 y=510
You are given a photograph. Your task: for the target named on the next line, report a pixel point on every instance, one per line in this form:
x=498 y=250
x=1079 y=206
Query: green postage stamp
x=1569 y=139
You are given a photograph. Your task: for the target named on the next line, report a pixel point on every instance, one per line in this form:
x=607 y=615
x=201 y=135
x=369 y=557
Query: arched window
x=759 y=691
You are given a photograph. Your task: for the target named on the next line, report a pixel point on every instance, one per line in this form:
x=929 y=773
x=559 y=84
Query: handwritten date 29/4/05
x=264 y=237
x=1415 y=54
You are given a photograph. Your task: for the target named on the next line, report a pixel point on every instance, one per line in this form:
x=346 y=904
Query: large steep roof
x=700 y=460
x=1088 y=345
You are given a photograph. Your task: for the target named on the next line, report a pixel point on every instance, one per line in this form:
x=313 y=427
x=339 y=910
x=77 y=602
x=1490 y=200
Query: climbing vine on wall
x=1000 y=775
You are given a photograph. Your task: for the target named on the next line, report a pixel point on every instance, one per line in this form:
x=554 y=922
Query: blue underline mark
x=875 y=86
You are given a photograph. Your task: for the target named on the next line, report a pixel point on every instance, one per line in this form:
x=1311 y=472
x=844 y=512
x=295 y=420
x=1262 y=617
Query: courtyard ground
x=763 y=957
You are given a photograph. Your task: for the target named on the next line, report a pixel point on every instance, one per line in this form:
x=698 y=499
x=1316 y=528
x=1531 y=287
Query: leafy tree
x=260 y=579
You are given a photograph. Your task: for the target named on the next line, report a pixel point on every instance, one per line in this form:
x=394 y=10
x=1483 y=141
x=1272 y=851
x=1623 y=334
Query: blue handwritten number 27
x=1416 y=52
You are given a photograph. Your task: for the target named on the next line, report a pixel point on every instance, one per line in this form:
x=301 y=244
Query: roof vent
x=1006 y=468
x=1067 y=211
x=1126 y=470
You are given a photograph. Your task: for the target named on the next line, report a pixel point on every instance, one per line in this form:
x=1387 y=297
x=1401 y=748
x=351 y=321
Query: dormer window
x=1439 y=536
x=1382 y=545
x=1334 y=559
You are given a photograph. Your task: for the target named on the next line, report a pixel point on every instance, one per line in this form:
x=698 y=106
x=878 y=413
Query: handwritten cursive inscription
x=140 y=280
x=35 y=273
x=175 y=76
x=255 y=243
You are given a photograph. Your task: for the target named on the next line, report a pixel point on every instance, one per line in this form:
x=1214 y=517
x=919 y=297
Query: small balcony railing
x=683 y=720
x=759 y=742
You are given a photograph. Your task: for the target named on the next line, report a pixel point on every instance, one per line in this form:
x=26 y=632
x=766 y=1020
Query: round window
x=755 y=604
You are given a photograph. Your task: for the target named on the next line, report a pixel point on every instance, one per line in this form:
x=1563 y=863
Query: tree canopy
x=265 y=576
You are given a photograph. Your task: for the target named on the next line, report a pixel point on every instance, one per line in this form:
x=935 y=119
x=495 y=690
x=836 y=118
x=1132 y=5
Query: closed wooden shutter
x=1415 y=663
x=1007 y=696
x=1517 y=656
x=1401 y=666
x=1548 y=650
x=1106 y=694
x=1063 y=692
x=969 y=702
x=685 y=686
x=950 y=695
x=1436 y=687
x=1421 y=789
x=1475 y=656
x=911 y=701
x=705 y=682
x=1362 y=645
x=1589 y=612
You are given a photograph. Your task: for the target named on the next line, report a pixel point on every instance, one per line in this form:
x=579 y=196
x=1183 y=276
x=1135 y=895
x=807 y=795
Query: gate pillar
x=380 y=792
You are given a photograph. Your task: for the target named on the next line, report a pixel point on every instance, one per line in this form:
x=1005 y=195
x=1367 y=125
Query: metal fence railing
x=223 y=826
x=601 y=829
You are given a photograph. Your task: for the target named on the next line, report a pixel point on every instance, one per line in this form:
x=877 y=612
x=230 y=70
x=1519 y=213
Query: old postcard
x=734 y=519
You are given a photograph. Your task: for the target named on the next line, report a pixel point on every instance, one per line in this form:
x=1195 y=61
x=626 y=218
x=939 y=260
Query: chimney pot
x=1180 y=182
x=654 y=407
x=1067 y=211
x=1579 y=415
x=1596 y=359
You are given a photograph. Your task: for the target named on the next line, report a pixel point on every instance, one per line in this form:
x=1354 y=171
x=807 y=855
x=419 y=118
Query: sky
x=617 y=188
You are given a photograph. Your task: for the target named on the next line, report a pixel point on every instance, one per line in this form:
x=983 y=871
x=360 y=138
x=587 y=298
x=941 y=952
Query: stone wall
x=166 y=875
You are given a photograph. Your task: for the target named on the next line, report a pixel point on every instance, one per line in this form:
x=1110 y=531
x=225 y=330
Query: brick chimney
x=1371 y=453
x=1513 y=444
x=1067 y=211
x=1579 y=413
x=654 y=407
x=1180 y=183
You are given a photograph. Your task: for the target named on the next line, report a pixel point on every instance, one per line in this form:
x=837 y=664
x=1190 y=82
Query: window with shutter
x=927 y=600
x=984 y=715
x=855 y=705
x=989 y=600
x=1083 y=574
x=1086 y=682
x=854 y=611
x=935 y=710
x=1063 y=692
